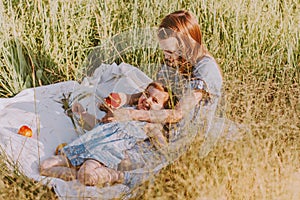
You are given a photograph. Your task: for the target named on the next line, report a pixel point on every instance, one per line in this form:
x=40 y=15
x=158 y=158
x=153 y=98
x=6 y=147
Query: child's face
x=152 y=99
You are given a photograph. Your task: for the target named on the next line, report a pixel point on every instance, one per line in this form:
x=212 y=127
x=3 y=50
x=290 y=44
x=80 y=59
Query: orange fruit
x=59 y=147
x=25 y=131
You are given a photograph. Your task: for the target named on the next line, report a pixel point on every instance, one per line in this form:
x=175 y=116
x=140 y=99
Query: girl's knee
x=90 y=165
x=86 y=177
x=86 y=173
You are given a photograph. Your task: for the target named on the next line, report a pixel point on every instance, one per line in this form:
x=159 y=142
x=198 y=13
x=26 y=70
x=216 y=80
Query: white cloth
x=39 y=109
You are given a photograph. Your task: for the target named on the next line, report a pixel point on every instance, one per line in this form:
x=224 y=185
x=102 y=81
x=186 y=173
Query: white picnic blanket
x=40 y=109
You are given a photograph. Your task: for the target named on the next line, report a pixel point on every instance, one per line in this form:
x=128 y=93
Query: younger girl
x=106 y=143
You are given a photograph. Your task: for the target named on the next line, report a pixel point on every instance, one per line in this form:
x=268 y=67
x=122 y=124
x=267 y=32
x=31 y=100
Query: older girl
x=195 y=77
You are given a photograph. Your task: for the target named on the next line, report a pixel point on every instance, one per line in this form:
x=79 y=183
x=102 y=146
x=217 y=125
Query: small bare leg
x=65 y=173
x=58 y=167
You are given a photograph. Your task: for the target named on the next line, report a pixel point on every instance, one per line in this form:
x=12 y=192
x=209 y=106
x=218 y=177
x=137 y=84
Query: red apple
x=25 y=131
x=113 y=100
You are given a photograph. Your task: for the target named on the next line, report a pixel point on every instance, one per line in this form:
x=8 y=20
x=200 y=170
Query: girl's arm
x=186 y=103
x=89 y=120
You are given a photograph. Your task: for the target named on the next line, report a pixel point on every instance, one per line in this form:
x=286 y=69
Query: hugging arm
x=186 y=103
x=89 y=120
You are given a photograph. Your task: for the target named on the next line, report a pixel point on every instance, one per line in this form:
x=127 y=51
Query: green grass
x=257 y=44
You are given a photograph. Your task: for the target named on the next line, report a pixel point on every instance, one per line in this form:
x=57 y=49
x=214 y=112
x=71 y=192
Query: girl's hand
x=78 y=108
x=109 y=117
x=104 y=107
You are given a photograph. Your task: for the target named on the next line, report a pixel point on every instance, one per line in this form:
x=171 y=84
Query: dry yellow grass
x=262 y=165
x=257 y=44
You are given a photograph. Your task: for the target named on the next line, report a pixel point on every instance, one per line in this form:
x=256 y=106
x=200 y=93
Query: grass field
x=256 y=43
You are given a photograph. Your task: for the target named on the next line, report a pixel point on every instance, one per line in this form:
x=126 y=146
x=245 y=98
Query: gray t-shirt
x=205 y=76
